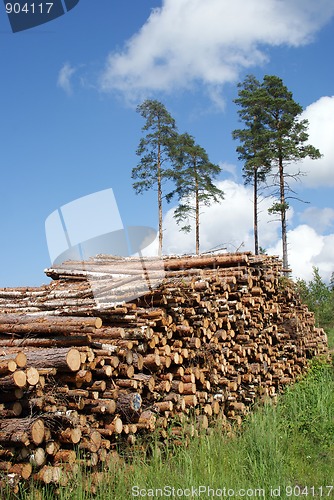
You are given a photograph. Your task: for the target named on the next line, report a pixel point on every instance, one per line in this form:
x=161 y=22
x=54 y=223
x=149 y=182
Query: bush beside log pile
x=216 y=335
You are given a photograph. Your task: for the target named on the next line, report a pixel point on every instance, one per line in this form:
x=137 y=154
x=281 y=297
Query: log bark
x=24 y=323
x=219 y=332
x=128 y=404
x=22 y=431
x=62 y=359
x=16 y=379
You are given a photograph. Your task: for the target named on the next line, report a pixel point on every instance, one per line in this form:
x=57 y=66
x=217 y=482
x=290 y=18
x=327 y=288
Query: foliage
x=288 y=143
x=319 y=298
x=331 y=282
x=278 y=208
x=193 y=176
x=155 y=152
x=254 y=141
x=169 y=156
x=254 y=138
x=274 y=137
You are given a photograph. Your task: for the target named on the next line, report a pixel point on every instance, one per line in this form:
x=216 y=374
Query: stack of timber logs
x=218 y=333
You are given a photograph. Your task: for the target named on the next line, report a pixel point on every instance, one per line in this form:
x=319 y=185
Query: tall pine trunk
x=196 y=212
x=256 y=235
x=283 y=215
x=159 y=201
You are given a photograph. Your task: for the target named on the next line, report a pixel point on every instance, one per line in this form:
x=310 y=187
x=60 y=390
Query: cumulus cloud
x=321 y=132
x=229 y=168
x=186 y=42
x=229 y=225
x=64 y=78
x=321 y=219
x=308 y=248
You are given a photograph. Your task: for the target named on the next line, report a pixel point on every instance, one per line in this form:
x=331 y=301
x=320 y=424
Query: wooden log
x=20 y=431
x=70 y=435
x=33 y=376
x=64 y=456
x=189 y=388
x=163 y=406
x=79 y=378
x=177 y=386
x=128 y=404
x=127 y=383
x=125 y=370
x=190 y=400
x=52 y=446
x=10 y=409
x=111 y=332
x=91 y=443
x=7 y=366
x=147 y=421
x=44 y=475
x=163 y=387
x=205 y=261
x=7 y=454
x=24 y=323
x=151 y=361
x=59 y=341
x=23 y=470
x=19 y=357
x=16 y=379
x=100 y=406
x=63 y=359
x=37 y=458
x=113 y=427
x=147 y=380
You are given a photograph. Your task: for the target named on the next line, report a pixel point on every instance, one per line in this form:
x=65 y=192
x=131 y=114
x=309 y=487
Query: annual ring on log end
x=20 y=378
x=38 y=431
x=73 y=360
x=32 y=376
x=98 y=323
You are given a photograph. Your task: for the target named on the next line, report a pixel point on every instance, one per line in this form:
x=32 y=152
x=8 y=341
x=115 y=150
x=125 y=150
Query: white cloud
x=186 y=42
x=64 y=78
x=304 y=244
x=320 y=219
x=229 y=168
x=308 y=248
x=227 y=224
x=320 y=115
x=325 y=259
x=230 y=225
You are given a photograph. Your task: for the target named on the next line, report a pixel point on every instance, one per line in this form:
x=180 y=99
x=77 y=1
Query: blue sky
x=69 y=128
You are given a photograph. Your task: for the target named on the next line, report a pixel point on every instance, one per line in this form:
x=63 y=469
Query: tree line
x=272 y=138
x=319 y=298
x=167 y=155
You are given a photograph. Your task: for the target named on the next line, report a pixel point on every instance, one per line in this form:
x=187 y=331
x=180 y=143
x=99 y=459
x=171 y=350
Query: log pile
x=217 y=334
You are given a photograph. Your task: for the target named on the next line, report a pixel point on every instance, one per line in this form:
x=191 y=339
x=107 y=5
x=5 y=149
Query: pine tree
x=193 y=176
x=274 y=138
x=288 y=144
x=253 y=143
x=155 y=152
x=318 y=297
x=331 y=282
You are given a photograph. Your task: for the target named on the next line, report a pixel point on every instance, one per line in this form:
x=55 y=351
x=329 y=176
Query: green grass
x=286 y=445
x=330 y=335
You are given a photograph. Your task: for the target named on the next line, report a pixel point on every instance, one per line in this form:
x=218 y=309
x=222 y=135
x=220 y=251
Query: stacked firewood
x=78 y=373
